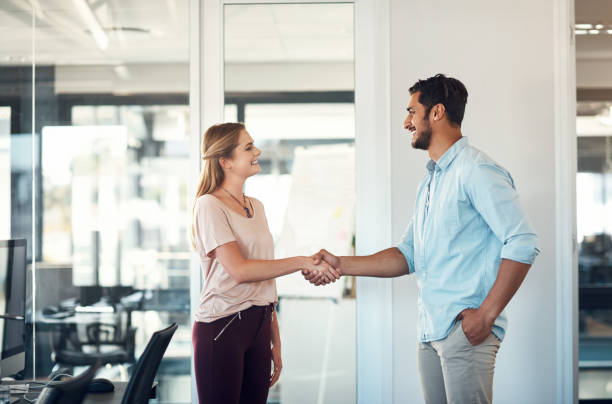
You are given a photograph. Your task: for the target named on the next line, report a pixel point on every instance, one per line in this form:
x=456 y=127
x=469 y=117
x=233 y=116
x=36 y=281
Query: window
x=594 y=229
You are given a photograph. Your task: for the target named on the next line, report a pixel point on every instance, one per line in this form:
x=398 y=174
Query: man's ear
x=438 y=112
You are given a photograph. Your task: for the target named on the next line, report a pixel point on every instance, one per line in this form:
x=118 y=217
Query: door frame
x=565 y=185
x=372 y=147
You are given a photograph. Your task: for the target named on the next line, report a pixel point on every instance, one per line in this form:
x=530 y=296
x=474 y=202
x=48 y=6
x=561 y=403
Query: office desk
x=91 y=398
x=44 y=323
x=114 y=396
x=163 y=300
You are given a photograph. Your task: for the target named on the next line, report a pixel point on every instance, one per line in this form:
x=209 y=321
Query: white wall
x=503 y=53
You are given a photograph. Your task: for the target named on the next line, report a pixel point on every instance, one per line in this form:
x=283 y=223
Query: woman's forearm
x=244 y=270
x=261 y=270
x=248 y=270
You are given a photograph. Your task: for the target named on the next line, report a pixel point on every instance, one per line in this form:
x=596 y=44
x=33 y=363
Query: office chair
x=71 y=351
x=69 y=392
x=138 y=389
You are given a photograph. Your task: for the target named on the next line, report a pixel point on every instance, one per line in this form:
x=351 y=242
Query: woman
x=236 y=333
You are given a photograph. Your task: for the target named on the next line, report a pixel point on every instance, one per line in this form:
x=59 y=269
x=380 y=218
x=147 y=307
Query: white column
x=565 y=188
x=206 y=106
x=373 y=188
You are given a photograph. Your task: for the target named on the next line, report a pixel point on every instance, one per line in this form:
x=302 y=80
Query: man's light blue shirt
x=467 y=218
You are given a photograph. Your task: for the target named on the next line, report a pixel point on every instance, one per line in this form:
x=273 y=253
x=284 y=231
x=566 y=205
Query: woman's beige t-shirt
x=215 y=225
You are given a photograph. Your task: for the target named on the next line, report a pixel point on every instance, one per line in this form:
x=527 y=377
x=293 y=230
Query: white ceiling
x=289 y=33
x=62 y=36
x=157 y=31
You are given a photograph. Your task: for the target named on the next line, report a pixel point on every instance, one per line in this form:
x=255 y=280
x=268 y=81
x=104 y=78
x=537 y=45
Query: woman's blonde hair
x=219 y=141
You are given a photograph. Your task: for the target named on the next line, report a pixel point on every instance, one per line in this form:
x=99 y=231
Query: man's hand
x=476 y=326
x=323 y=257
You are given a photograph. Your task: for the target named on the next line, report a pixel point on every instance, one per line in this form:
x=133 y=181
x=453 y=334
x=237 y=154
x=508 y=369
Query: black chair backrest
x=69 y=392
x=138 y=389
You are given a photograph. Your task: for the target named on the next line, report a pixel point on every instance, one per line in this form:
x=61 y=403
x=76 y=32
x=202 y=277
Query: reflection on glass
x=289 y=72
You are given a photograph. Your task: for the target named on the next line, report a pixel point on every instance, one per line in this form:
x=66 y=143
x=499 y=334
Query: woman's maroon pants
x=232 y=357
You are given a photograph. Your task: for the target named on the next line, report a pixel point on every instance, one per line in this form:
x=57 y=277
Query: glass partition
x=18 y=170
x=99 y=90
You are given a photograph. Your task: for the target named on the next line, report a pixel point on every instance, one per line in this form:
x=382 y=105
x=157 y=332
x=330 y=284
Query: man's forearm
x=509 y=277
x=384 y=264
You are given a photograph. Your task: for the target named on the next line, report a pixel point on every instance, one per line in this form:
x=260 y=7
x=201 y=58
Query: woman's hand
x=278 y=364
x=322 y=256
x=322 y=271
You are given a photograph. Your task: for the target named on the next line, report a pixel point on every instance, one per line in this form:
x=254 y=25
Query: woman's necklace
x=243 y=204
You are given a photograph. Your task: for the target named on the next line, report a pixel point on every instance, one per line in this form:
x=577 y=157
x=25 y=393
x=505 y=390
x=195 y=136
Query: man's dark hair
x=447 y=91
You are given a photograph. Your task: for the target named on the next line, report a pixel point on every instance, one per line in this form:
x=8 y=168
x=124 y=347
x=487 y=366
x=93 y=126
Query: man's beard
x=424 y=139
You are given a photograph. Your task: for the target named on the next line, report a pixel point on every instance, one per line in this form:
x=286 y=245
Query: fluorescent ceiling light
x=594 y=31
x=599 y=26
x=92 y=23
x=610 y=31
x=581 y=32
x=584 y=26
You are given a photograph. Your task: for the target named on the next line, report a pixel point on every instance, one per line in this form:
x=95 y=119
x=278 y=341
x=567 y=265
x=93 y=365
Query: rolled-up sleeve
x=493 y=194
x=406 y=246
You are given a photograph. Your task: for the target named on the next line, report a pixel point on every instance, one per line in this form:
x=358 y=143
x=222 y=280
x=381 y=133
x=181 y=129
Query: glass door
x=289 y=78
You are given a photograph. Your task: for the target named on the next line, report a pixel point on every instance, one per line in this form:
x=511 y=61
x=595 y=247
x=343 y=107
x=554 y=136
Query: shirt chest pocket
x=446 y=216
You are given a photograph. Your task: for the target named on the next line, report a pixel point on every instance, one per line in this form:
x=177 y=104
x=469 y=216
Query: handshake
x=323 y=269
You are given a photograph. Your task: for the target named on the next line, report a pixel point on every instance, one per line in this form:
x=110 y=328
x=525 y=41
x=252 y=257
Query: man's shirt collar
x=448 y=156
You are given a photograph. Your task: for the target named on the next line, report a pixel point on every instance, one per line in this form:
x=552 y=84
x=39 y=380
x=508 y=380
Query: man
x=469 y=244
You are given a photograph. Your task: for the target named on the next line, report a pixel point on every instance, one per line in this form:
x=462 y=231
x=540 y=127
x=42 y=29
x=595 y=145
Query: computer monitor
x=112 y=294
x=12 y=306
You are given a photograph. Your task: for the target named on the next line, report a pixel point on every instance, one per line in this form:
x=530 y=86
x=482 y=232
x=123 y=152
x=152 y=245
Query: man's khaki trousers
x=455 y=372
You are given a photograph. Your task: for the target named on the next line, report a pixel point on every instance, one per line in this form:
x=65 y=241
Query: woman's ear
x=225 y=163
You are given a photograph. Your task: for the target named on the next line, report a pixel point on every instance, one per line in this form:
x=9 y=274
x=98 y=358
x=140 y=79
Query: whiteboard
x=320 y=213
